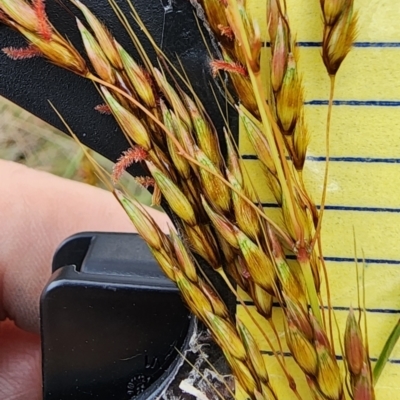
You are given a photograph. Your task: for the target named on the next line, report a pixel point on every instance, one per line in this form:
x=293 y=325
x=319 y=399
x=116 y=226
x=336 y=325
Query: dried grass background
x=26 y=139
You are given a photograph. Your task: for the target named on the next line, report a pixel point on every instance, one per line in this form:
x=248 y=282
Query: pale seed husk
x=328 y=376
x=137 y=78
x=96 y=55
x=131 y=125
x=302 y=350
x=58 y=51
x=259 y=265
x=253 y=353
x=246 y=217
x=102 y=34
x=184 y=258
x=21 y=12
x=216 y=190
x=173 y=195
x=243 y=374
x=262 y=299
x=225 y=334
x=193 y=296
x=340 y=39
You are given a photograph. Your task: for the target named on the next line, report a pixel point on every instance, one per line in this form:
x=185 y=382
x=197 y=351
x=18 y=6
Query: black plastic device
x=111 y=321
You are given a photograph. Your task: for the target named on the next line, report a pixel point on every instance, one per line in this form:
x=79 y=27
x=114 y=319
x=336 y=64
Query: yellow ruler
x=364 y=179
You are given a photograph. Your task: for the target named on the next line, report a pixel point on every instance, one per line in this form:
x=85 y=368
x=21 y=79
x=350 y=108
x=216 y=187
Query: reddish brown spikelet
x=22 y=53
x=231 y=67
x=145 y=181
x=353 y=342
x=103 y=109
x=44 y=28
x=226 y=31
x=363 y=387
x=129 y=157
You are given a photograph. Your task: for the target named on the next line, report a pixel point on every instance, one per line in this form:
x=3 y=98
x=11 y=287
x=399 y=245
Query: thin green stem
x=311 y=290
x=386 y=351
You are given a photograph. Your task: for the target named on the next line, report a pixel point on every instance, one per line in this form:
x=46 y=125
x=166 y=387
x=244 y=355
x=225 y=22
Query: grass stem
x=311 y=290
x=386 y=351
x=327 y=155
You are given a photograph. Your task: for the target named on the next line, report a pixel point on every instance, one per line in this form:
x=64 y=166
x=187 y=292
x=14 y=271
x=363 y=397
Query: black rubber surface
x=32 y=83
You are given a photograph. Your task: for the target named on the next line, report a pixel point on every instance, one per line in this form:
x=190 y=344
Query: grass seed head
x=243 y=374
x=96 y=55
x=217 y=304
x=225 y=228
x=131 y=125
x=235 y=269
x=176 y=199
x=363 y=388
x=353 y=344
x=259 y=143
x=102 y=34
x=339 y=40
x=319 y=333
x=184 y=258
x=259 y=265
x=273 y=16
x=289 y=100
x=215 y=13
x=57 y=50
x=299 y=317
x=331 y=10
x=253 y=352
x=216 y=190
x=181 y=165
x=138 y=78
x=165 y=262
x=262 y=299
x=193 y=296
x=302 y=349
x=328 y=376
x=22 y=13
x=185 y=137
x=293 y=285
x=173 y=98
x=279 y=56
x=207 y=138
x=301 y=140
x=145 y=225
x=226 y=335
x=245 y=93
x=245 y=215
x=204 y=244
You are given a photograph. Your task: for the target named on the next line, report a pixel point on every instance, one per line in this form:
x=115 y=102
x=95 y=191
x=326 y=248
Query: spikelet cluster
x=286 y=85
x=233 y=59
x=178 y=263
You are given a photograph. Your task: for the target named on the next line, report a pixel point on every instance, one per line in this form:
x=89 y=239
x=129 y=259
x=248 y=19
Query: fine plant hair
x=216 y=214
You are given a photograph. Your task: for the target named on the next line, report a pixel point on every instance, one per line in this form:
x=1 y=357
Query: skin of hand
x=37 y=212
